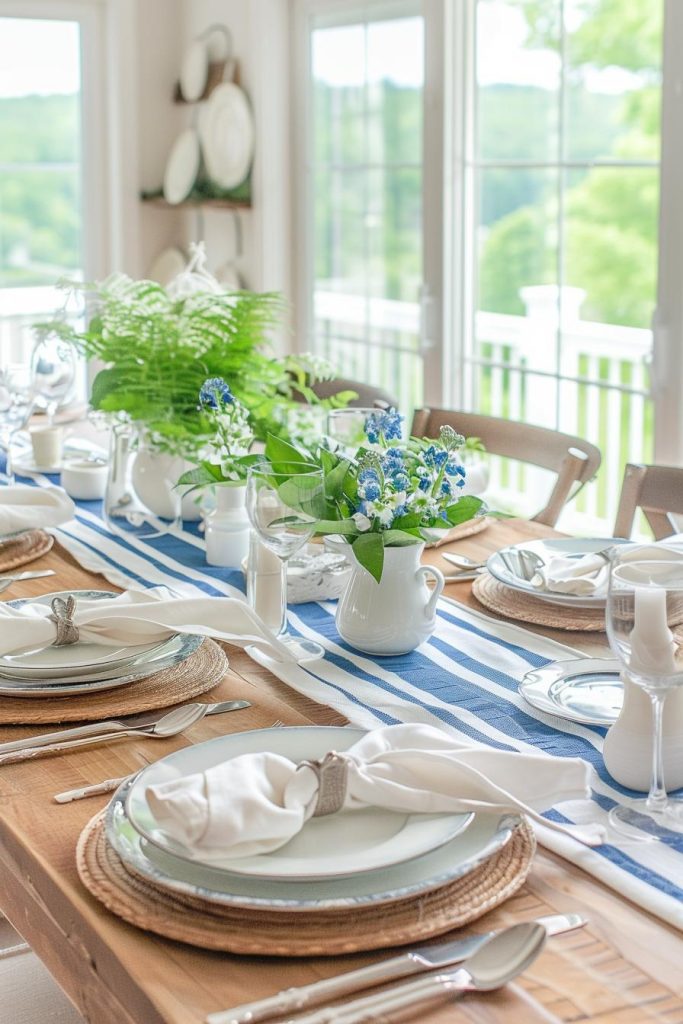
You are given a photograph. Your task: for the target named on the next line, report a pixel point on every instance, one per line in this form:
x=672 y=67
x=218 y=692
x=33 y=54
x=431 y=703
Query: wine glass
x=283 y=508
x=53 y=364
x=17 y=401
x=645 y=596
x=346 y=427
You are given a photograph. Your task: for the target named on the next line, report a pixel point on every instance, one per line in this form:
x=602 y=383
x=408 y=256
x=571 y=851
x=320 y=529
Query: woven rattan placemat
x=24 y=548
x=197 y=674
x=513 y=604
x=239 y=930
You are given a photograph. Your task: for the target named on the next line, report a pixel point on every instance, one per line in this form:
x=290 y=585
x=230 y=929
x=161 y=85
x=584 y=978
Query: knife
x=422 y=958
x=31 y=575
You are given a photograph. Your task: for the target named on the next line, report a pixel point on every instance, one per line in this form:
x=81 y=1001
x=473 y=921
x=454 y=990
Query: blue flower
x=434 y=456
x=370 y=490
x=446 y=487
x=400 y=482
x=215 y=393
x=368 y=474
x=384 y=425
x=425 y=483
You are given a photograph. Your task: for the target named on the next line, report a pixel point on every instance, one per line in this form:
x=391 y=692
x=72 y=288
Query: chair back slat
x=658 y=491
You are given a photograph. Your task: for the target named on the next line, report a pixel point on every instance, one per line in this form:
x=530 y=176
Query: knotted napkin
x=588 y=576
x=33 y=508
x=138 y=617
x=256 y=803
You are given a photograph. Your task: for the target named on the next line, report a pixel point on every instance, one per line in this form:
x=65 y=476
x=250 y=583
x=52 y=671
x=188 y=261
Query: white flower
x=362 y=522
x=386 y=516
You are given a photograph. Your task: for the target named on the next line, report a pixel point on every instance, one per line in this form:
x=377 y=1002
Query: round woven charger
x=513 y=604
x=197 y=674
x=467 y=529
x=24 y=548
x=239 y=930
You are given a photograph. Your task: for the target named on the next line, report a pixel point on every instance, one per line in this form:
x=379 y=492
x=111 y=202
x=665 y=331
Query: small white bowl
x=84 y=480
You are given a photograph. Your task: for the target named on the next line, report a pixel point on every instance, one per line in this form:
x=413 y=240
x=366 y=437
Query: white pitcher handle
x=429 y=570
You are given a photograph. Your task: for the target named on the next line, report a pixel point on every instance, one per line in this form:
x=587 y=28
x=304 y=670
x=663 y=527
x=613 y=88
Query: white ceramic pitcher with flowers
x=395 y=615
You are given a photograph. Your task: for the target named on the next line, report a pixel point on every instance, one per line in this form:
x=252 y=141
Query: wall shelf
x=193 y=202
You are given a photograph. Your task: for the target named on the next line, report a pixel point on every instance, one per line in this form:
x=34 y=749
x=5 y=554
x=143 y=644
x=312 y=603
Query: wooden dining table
x=624 y=967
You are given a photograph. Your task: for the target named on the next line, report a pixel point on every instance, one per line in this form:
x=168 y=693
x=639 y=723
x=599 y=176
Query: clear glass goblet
x=53 y=365
x=17 y=402
x=644 y=605
x=346 y=427
x=283 y=508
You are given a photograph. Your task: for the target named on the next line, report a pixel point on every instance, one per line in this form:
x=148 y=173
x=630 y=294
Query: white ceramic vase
x=395 y=615
x=627 y=750
x=151 y=472
x=227 y=527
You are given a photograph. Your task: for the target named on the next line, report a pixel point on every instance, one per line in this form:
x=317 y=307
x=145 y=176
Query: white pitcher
x=395 y=615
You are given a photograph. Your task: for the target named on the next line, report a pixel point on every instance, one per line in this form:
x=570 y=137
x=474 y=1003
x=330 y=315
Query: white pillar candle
x=652 y=642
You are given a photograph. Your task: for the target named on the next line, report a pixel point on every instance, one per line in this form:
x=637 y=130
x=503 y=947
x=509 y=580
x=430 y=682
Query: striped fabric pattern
x=465 y=679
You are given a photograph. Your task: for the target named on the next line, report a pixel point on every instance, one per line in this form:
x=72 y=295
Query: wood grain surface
x=625 y=967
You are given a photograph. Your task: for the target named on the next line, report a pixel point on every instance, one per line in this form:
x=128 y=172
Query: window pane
x=613 y=79
x=518 y=78
x=40 y=218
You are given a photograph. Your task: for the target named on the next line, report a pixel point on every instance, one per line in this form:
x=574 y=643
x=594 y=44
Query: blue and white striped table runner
x=465 y=678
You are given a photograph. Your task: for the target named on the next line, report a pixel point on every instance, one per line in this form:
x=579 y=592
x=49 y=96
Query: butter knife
x=415 y=961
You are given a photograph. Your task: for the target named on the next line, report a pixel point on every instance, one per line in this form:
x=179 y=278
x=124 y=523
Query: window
x=43 y=156
x=362 y=192
x=563 y=197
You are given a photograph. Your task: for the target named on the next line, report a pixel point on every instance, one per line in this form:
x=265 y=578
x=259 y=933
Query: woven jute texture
x=467 y=529
x=24 y=548
x=513 y=604
x=197 y=674
x=239 y=930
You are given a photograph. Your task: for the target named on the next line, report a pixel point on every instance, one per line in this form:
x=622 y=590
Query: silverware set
x=488 y=961
x=7 y=580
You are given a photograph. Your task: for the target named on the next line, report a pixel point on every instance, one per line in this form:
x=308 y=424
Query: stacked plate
x=86 y=667
x=354 y=860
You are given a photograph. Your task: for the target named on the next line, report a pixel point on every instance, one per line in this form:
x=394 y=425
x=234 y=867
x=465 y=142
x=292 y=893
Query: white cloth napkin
x=255 y=803
x=33 y=508
x=141 y=617
x=588 y=576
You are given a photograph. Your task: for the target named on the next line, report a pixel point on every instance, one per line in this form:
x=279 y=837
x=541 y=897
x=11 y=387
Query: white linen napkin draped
x=588 y=576
x=255 y=803
x=141 y=617
x=33 y=508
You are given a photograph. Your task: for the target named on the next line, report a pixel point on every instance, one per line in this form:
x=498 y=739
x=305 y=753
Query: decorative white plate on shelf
x=332 y=846
x=484 y=837
x=182 y=167
x=226 y=130
x=229 y=277
x=147 y=660
x=194 y=70
x=167 y=265
x=584 y=690
x=505 y=566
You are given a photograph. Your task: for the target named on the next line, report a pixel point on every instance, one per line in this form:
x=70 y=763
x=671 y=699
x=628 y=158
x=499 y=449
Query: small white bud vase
x=227 y=527
x=395 y=615
x=627 y=750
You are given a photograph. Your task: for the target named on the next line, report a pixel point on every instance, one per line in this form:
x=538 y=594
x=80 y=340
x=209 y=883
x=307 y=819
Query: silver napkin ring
x=62 y=616
x=332 y=772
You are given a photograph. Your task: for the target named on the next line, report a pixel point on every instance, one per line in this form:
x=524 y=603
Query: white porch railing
x=597 y=388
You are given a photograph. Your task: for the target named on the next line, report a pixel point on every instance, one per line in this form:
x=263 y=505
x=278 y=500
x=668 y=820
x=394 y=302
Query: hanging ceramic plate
x=226 y=130
x=194 y=70
x=182 y=167
x=168 y=264
x=332 y=846
x=228 y=276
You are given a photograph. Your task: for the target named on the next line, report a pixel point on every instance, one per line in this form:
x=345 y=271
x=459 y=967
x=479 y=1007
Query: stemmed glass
x=644 y=597
x=346 y=427
x=17 y=401
x=53 y=365
x=283 y=508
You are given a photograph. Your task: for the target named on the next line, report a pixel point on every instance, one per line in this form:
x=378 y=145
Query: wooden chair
x=658 y=490
x=368 y=395
x=574 y=460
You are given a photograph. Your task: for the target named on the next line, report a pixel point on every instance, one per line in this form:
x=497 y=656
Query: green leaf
x=369 y=550
x=278 y=450
x=202 y=475
x=399 y=539
x=465 y=508
x=344 y=526
x=334 y=480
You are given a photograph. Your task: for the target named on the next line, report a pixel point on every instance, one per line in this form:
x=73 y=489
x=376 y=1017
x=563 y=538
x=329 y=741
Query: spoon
x=463 y=562
x=500 y=959
x=170 y=725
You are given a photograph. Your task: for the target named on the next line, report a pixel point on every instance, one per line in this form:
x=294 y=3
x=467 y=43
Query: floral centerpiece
x=224 y=456
x=390 y=492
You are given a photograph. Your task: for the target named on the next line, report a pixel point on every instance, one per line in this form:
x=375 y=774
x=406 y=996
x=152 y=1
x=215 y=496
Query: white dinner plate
x=194 y=70
x=167 y=265
x=226 y=130
x=182 y=167
x=584 y=690
x=485 y=836
x=73 y=660
x=25 y=463
x=547 y=550
x=327 y=847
